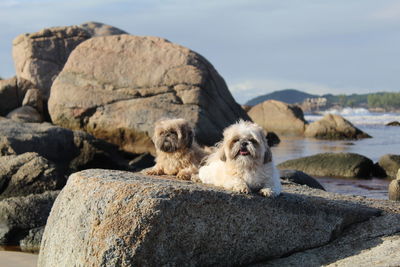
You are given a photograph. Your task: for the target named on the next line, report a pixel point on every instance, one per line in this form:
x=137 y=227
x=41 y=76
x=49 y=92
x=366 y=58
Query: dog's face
x=171 y=135
x=245 y=144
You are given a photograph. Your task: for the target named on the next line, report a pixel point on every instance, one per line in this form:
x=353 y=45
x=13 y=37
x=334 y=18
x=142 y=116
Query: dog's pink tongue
x=244 y=153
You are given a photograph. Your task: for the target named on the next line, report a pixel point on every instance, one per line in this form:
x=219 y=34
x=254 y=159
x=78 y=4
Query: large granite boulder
x=334 y=127
x=69 y=150
x=114 y=218
x=279 y=117
x=347 y=165
x=40 y=56
x=18 y=215
x=390 y=163
x=117 y=87
x=26 y=174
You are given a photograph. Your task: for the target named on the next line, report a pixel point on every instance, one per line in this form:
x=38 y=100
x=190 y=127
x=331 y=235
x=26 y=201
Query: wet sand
x=17 y=259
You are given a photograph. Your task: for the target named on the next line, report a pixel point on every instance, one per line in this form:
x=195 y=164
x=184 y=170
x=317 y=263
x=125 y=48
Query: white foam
x=359 y=116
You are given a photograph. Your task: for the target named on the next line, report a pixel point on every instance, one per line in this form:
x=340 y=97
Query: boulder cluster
x=87 y=96
x=288 y=120
x=79 y=116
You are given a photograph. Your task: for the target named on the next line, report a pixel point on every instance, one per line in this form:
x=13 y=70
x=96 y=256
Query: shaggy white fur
x=243 y=162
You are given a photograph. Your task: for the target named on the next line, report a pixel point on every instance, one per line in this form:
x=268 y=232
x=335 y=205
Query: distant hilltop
x=290 y=96
x=382 y=101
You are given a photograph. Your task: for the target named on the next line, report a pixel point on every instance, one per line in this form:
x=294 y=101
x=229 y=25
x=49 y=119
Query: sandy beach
x=17 y=259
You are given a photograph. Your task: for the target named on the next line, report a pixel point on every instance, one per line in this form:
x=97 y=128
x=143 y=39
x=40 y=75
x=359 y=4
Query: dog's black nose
x=244 y=144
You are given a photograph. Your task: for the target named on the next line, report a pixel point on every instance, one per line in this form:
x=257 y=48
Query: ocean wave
x=359 y=116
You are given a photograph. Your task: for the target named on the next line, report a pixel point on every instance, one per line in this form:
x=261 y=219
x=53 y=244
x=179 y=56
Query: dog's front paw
x=241 y=188
x=153 y=171
x=195 y=178
x=184 y=175
x=268 y=192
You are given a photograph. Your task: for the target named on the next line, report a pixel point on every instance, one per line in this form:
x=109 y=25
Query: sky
x=257 y=46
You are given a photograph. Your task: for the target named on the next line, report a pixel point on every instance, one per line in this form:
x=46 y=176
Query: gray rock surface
x=279 y=117
x=26 y=174
x=114 y=218
x=12 y=93
x=34 y=98
x=18 y=215
x=25 y=114
x=69 y=150
x=390 y=163
x=117 y=87
x=332 y=165
x=334 y=127
x=374 y=242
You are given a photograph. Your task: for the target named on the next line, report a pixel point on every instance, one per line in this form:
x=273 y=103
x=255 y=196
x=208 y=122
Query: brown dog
x=177 y=151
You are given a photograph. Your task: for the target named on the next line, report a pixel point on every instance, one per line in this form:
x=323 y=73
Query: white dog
x=243 y=162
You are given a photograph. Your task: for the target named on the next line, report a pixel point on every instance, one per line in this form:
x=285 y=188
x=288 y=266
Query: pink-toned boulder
x=334 y=127
x=279 y=117
x=117 y=87
x=40 y=56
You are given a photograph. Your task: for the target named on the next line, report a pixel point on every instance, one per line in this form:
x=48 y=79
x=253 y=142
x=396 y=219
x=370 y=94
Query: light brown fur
x=177 y=151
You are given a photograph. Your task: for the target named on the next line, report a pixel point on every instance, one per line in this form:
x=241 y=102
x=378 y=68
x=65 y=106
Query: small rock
x=393 y=123
x=25 y=114
x=301 y=178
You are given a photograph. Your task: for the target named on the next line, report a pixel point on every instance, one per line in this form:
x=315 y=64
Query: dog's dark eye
x=235 y=140
x=254 y=141
x=172 y=132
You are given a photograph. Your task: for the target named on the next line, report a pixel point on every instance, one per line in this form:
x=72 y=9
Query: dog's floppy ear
x=267 y=155
x=222 y=155
x=189 y=137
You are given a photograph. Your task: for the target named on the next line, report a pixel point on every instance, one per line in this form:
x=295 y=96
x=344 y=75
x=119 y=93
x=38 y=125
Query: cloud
x=9 y=3
x=391 y=12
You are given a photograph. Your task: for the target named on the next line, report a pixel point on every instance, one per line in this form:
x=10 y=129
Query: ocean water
x=386 y=140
